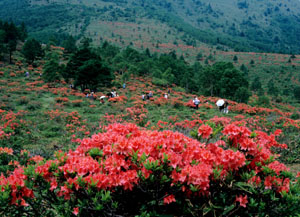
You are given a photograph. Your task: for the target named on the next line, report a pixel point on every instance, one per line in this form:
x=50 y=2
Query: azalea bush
x=126 y=171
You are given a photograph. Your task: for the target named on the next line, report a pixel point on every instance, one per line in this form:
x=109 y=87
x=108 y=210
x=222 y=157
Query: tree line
x=10 y=34
x=90 y=67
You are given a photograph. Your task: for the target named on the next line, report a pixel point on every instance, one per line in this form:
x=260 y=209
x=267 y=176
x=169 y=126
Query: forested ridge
x=256 y=25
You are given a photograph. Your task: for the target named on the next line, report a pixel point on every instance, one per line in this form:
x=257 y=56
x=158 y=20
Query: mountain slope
x=254 y=25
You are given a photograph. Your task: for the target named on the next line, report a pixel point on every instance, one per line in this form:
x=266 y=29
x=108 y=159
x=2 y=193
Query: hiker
x=196 y=102
x=225 y=107
x=124 y=86
x=169 y=91
x=150 y=94
x=113 y=94
x=222 y=105
x=143 y=97
x=27 y=74
x=87 y=95
x=109 y=95
x=92 y=96
x=166 y=95
x=102 y=99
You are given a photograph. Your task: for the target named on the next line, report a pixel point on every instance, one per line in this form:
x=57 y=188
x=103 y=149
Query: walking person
x=196 y=102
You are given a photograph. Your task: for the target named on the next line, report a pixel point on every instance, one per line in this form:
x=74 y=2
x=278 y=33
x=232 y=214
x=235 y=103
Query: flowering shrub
x=77 y=102
x=129 y=171
x=62 y=99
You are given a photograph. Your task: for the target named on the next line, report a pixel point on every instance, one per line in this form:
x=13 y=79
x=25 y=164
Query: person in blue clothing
x=124 y=85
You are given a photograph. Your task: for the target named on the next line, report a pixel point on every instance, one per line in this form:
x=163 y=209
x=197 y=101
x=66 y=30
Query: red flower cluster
x=205 y=131
x=123 y=155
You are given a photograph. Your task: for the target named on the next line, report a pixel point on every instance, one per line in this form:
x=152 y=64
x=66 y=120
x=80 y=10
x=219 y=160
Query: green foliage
x=242 y=94
x=70 y=45
x=256 y=84
x=235 y=58
x=52 y=69
x=263 y=101
x=31 y=50
x=160 y=82
x=297 y=92
x=224 y=80
x=241 y=29
x=87 y=70
x=34 y=105
x=9 y=36
x=272 y=88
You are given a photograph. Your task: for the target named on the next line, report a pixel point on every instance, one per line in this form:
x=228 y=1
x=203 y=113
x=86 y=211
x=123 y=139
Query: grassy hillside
x=242 y=25
x=65 y=114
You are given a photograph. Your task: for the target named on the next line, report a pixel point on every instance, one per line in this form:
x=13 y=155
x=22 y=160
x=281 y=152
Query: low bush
x=128 y=171
x=34 y=105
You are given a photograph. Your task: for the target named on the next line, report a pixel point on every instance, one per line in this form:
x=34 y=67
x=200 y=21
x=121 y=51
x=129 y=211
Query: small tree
x=2 y=46
x=52 y=70
x=11 y=38
x=235 y=58
x=242 y=94
x=272 y=89
x=297 y=93
x=256 y=84
x=199 y=56
x=31 y=50
x=244 y=69
x=93 y=74
x=88 y=70
x=70 y=45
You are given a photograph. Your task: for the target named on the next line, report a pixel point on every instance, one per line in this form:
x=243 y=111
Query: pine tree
x=88 y=70
x=31 y=50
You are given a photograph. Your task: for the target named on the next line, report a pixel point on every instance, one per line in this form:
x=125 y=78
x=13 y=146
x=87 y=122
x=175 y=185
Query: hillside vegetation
x=113 y=125
x=255 y=25
x=162 y=151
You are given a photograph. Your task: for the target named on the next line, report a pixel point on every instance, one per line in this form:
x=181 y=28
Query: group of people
x=150 y=95
x=112 y=94
x=222 y=105
x=91 y=96
x=147 y=96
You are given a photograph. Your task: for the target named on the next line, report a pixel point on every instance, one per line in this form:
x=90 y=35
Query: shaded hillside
x=242 y=25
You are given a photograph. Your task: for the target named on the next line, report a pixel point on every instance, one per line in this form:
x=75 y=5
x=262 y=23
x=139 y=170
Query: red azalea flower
x=242 y=200
x=76 y=211
x=169 y=199
x=205 y=131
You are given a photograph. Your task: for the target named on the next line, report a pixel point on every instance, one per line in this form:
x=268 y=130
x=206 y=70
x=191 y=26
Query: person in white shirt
x=196 y=102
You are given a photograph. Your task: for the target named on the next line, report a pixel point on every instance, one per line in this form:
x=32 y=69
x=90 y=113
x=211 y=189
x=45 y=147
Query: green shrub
x=160 y=82
x=34 y=105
